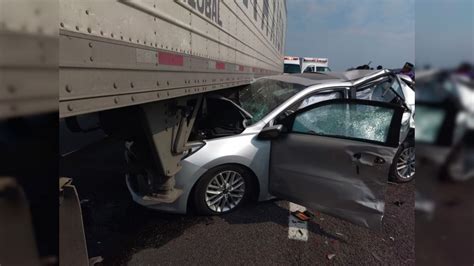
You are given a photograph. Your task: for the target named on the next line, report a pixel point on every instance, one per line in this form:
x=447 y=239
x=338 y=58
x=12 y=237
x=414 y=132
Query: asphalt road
x=447 y=237
x=123 y=232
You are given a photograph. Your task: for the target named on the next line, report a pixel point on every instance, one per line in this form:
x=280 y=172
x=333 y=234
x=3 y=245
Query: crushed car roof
x=308 y=79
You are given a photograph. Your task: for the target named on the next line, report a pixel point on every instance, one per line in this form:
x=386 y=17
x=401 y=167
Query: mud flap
x=72 y=240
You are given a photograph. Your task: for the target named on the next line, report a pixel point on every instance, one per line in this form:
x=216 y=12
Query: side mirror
x=270 y=132
x=280 y=119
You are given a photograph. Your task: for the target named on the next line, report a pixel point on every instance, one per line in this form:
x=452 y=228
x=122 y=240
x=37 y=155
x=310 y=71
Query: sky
x=444 y=32
x=351 y=33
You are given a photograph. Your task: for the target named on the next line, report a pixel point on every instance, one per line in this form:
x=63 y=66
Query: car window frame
x=377 y=80
x=345 y=91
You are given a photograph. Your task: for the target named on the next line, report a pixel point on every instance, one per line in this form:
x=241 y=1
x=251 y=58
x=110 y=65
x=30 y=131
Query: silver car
x=306 y=138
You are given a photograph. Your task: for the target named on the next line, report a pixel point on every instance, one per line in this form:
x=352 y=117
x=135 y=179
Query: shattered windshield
x=261 y=97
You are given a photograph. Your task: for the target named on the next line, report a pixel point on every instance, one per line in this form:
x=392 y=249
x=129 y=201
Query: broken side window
x=346 y=120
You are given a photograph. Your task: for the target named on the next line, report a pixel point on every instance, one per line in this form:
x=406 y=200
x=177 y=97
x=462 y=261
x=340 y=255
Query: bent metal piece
x=341 y=175
x=164 y=123
x=356 y=197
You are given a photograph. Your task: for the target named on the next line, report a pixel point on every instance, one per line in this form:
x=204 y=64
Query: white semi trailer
x=134 y=52
x=142 y=66
x=139 y=67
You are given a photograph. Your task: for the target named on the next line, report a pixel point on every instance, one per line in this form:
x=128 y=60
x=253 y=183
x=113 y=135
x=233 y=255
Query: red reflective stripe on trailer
x=220 y=65
x=170 y=59
x=241 y=68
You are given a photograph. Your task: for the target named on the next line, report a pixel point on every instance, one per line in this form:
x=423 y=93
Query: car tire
x=223 y=189
x=405 y=157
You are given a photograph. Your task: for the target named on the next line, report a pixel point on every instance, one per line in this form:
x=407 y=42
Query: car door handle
x=376 y=160
x=379 y=160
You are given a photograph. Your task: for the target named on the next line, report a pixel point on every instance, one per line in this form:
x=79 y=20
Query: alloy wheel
x=225 y=191
x=406 y=163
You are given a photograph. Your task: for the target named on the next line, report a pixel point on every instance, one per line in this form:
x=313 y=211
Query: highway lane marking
x=297 y=230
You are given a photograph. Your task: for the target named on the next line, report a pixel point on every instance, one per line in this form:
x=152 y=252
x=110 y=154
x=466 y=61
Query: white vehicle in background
x=291 y=65
x=310 y=64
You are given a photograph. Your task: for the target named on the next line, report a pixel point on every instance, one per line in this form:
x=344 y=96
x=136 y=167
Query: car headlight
x=193 y=148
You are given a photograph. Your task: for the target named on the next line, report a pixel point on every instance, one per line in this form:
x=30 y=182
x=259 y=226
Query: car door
x=334 y=156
